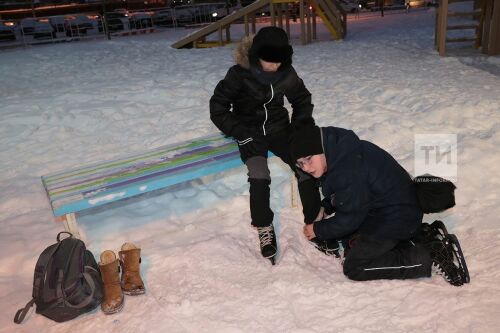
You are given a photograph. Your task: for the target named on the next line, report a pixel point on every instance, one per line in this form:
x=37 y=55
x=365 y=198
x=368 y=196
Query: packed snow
x=72 y=104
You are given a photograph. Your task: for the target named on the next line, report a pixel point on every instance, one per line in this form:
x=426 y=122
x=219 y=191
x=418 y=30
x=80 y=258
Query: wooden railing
x=333 y=16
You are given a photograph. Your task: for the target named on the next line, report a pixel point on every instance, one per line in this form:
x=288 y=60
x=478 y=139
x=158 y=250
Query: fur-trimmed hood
x=240 y=53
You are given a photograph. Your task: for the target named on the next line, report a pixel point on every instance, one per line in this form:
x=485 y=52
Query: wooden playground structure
x=331 y=13
x=484 y=20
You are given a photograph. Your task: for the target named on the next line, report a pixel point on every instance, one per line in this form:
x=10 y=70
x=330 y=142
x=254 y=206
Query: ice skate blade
x=272 y=260
x=440 y=228
x=460 y=256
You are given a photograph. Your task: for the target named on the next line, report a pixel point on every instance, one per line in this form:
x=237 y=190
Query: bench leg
x=71 y=226
x=294 y=192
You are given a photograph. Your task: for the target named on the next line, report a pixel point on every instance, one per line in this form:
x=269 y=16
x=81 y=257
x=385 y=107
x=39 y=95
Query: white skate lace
x=266 y=235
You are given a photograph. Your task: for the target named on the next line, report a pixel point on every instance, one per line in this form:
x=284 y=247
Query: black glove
x=252 y=146
x=242 y=133
x=297 y=124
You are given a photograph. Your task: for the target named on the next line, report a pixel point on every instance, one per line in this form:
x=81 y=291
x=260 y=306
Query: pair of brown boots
x=130 y=282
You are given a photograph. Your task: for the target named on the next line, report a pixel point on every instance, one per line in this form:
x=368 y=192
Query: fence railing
x=71 y=27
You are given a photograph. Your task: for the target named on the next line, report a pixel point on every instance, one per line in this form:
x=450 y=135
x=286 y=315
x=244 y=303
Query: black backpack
x=434 y=194
x=67 y=281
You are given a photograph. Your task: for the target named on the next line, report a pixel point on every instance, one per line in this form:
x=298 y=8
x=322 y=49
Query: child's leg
x=259 y=178
x=373 y=258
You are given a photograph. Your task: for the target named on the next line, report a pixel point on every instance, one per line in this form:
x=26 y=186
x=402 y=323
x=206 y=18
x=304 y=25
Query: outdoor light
x=214 y=14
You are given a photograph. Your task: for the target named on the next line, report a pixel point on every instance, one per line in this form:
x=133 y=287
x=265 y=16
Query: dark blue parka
x=371 y=192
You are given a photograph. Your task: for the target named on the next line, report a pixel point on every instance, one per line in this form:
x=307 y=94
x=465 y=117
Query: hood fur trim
x=241 y=51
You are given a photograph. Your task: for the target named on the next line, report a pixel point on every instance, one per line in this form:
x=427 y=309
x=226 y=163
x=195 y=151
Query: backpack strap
x=89 y=298
x=40 y=269
x=21 y=313
x=63 y=232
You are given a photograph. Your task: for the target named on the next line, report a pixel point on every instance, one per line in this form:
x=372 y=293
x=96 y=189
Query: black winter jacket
x=242 y=105
x=371 y=192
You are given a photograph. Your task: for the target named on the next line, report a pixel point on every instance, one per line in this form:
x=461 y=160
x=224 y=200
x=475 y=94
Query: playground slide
x=328 y=10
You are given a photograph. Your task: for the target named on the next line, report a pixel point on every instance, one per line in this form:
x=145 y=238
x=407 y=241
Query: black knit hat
x=306 y=141
x=271 y=44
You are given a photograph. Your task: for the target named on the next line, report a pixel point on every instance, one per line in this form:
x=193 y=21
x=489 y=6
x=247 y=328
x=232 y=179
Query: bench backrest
x=98 y=184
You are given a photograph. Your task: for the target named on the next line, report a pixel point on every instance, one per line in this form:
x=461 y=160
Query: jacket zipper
x=265 y=109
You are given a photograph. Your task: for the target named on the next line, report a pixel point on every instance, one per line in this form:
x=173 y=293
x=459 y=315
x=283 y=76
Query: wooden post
x=287 y=21
x=294 y=192
x=273 y=13
x=494 y=43
x=486 y=26
x=302 y=23
x=443 y=22
x=309 y=30
x=220 y=36
x=479 y=28
x=228 y=33
x=247 y=27
x=280 y=15
x=315 y=35
x=253 y=23
x=436 y=29
x=71 y=225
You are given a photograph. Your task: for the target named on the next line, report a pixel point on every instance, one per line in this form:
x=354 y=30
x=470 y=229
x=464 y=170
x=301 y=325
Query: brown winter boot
x=130 y=258
x=110 y=273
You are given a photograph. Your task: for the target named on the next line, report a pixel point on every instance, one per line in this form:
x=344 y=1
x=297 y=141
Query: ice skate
x=448 y=260
x=430 y=232
x=329 y=247
x=267 y=239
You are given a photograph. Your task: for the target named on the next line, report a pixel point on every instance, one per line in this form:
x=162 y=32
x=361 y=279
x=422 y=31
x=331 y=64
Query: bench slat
x=132 y=159
x=100 y=183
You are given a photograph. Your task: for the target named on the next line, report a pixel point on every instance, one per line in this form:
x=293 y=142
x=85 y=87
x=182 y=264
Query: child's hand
x=309 y=231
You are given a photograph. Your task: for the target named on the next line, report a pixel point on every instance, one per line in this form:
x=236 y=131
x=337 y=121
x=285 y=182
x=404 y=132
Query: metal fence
x=73 y=27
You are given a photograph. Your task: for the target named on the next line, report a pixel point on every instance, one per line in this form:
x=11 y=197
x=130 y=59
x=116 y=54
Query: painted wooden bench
x=91 y=186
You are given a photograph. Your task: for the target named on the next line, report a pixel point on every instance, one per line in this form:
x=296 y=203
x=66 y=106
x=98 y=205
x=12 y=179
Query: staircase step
x=460 y=39
x=462 y=27
x=461 y=14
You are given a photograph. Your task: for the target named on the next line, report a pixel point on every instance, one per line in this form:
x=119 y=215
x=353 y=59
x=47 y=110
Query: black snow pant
x=259 y=178
x=373 y=258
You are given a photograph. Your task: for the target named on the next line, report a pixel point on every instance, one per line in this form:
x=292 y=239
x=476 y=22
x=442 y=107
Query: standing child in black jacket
x=248 y=104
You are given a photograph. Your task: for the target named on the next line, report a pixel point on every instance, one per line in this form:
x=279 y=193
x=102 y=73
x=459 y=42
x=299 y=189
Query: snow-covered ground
x=72 y=104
